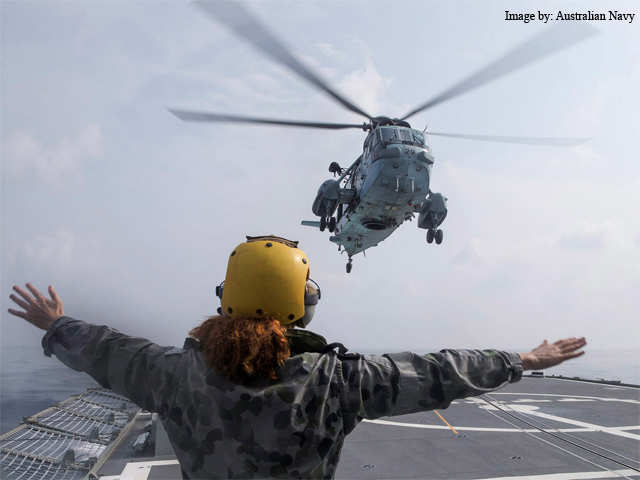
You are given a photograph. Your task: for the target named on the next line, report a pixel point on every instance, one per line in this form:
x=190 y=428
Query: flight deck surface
x=500 y=435
x=538 y=428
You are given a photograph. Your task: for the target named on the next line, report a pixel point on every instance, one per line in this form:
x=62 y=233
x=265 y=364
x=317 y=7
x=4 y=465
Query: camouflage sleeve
x=134 y=367
x=400 y=383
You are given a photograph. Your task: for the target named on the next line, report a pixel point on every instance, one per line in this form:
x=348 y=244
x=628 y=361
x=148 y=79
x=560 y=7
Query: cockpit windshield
x=394 y=134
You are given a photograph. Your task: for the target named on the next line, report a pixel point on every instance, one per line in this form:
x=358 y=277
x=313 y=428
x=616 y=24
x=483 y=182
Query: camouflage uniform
x=290 y=428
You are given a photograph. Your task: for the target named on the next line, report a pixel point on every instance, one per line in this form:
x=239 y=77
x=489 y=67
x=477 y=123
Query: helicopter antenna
x=425 y=128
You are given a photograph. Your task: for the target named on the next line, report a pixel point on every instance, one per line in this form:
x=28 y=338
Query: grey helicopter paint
x=389 y=183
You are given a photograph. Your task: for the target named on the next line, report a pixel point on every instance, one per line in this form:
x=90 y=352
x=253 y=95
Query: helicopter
x=389 y=182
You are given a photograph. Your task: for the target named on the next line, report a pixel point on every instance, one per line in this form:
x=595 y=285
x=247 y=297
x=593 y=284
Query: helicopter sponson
x=432 y=214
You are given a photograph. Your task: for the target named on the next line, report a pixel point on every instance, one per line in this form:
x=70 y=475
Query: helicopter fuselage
x=388 y=184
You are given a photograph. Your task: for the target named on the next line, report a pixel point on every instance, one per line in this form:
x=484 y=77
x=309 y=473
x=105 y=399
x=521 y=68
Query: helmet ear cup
x=219 y=289
x=312 y=295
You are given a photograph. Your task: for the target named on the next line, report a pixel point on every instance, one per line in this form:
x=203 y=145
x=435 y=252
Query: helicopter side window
x=405 y=135
x=418 y=138
x=388 y=135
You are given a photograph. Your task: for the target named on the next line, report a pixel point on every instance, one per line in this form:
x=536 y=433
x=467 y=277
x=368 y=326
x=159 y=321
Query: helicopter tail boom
x=310 y=223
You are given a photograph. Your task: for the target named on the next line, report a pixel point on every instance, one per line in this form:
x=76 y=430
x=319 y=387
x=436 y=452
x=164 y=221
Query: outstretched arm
x=396 y=384
x=134 y=367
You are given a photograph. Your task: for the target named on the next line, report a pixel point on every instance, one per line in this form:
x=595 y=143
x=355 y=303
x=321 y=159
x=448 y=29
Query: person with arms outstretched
x=253 y=393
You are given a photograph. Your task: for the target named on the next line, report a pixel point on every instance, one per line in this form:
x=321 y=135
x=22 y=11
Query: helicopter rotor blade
x=192 y=116
x=549 y=41
x=551 y=141
x=244 y=24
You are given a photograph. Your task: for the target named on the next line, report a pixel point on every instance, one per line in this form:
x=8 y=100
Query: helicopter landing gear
x=323 y=223
x=436 y=235
x=349 y=266
x=332 y=224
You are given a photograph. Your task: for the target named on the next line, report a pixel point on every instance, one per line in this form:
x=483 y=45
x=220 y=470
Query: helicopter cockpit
x=393 y=134
x=383 y=136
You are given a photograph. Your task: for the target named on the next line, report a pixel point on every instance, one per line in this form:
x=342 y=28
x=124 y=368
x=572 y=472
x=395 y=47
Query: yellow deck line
x=445 y=422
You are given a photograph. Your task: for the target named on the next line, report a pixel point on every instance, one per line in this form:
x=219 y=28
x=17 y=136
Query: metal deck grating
x=109 y=399
x=45 y=443
x=64 y=441
x=18 y=467
x=99 y=412
x=59 y=419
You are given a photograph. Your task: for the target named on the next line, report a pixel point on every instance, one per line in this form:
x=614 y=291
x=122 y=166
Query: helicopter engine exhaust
x=374 y=224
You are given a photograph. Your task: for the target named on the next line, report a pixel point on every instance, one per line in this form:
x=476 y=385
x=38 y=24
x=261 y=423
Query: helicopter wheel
x=430 y=235
x=332 y=224
x=323 y=223
x=439 y=236
x=349 y=266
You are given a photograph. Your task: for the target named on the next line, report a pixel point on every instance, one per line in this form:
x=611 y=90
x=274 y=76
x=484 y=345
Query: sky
x=131 y=213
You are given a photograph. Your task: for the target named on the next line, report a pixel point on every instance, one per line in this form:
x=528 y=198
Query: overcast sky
x=132 y=213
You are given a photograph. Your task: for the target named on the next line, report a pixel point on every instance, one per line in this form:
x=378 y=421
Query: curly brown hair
x=243 y=348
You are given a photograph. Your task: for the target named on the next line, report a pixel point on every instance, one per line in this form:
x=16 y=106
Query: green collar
x=301 y=341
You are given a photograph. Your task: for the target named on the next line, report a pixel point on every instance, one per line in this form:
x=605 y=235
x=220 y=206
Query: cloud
x=467 y=255
x=61 y=253
x=366 y=86
x=587 y=238
x=26 y=155
x=55 y=249
x=330 y=51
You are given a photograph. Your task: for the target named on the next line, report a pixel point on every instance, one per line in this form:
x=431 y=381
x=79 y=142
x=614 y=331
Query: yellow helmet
x=268 y=276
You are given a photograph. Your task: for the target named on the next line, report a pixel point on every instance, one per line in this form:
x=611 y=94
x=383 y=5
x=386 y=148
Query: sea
x=31 y=382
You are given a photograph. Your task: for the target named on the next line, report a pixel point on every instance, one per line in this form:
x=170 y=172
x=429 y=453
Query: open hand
x=548 y=354
x=39 y=311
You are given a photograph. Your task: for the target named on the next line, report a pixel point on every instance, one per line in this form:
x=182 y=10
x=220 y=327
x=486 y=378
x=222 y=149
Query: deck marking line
x=445 y=421
x=570 y=421
x=476 y=429
x=555 y=445
x=570 y=475
x=604 y=399
x=531 y=400
x=575 y=400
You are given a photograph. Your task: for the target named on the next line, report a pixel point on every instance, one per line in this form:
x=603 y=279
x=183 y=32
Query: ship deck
x=539 y=428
